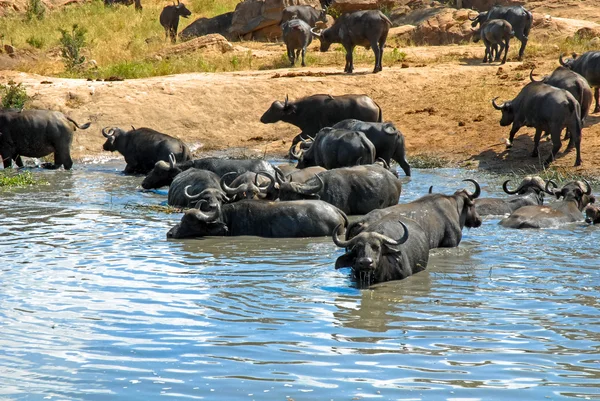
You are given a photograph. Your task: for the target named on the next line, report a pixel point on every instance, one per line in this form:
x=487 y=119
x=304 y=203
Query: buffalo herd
x=343 y=153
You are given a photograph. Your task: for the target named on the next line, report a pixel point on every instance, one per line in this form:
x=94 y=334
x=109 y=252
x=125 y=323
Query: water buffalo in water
x=335 y=148
x=368 y=28
x=545 y=108
x=306 y=218
x=392 y=248
x=519 y=18
x=388 y=141
x=250 y=185
x=442 y=217
x=163 y=173
x=588 y=66
x=572 y=82
x=495 y=33
x=296 y=36
x=37 y=133
x=312 y=113
x=529 y=192
x=592 y=214
x=169 y=19
x=306 y=13
x=355 y=190
x=302 y=175
x=576 y=195
x=192 y=180
x=144 y=147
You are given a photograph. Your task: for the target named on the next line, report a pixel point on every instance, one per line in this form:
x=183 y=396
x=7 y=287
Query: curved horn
x=508 y=191
x=287 y=101
x=297 y=154
x=472 y=19
x=561 y=61
x=531 y=76
x=314 y=32
x=551 y=192
x=205 y=217
x=227 y=189
x=477 y=192
x=187 y=194
x=497 y=107
x=589 y=187
x=172 y=160
x=384 y=163
x=106 y=134
x=338 y=241
x=431 y=189
x=269 y=186
x=389 y=241
x=279 y=176
x=306 y=189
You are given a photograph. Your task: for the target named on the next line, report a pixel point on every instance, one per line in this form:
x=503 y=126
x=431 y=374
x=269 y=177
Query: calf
x=494 y=33
x=169 y=19
x=306 y=13
x=296 y=36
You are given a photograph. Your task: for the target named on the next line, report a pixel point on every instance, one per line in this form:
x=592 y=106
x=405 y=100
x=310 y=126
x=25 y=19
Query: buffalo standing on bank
x=495 y=34
x=296 y=36
x=588 y=66
x=169 y=19
x=306 y=13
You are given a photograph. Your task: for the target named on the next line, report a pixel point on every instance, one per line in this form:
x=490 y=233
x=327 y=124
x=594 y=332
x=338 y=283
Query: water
x=96 y=304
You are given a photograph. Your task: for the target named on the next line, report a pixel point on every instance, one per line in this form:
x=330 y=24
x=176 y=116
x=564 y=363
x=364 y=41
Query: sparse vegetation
x=13 y=95
x=36 y=42
x=35 y=10
x=425 y=160
x=14 y=178
x=72 y=43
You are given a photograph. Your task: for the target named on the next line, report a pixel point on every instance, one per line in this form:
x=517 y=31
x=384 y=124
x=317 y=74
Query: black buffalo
x=306 y=13
x=529 y=192
x=37 y=133
x=442 y=217
x=142 y=148
x=388 y=141
x=296 y=36
x=592 y=214
x=312 y=113
x=576 y=195
x=519 y=18
x=545 y=108
x=588 y=66
x=368 y=28
x=307 y=218
x=162 y=173
x=355 y=190
x=335 y=148
x=250 y=185
x=301 y=175
x=495 y=33
x=169 y=19
x=192 y=181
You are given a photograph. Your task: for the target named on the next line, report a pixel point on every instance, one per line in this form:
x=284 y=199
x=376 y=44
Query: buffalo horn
x=338 y=241
x=497 y=107
x=431 y=189
x=228 y=190
x=477 y=192
x=561 y=61
x=297 y=154
x=472 y=19
x=207 y=218
x=287 y=101
x=589 y=188
x=187 y=194
x=508 y=191
x=172 y=160
x=384 y=163
x=314 y=32
x=531 y=76
x=306 y=189
x=279 y=176
x=551 y=192
x=269 y=186
x=107 y=134
x=392 y=242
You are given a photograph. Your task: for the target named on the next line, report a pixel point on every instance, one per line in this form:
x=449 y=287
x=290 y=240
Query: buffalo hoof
x=534 y=154
x=597 y=110
x=577 y=163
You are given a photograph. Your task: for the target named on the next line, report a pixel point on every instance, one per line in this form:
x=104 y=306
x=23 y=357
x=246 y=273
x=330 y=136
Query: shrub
x=35 y=9
x=71 y=46
x=33 y=41
x=13 y=95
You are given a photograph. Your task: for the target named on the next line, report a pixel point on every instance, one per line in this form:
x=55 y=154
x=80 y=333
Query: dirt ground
x=442 y=108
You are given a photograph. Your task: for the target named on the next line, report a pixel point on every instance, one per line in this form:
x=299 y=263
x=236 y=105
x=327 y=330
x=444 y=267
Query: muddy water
x=96 y=304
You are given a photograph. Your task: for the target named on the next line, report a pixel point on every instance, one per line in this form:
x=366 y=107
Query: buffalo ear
x=592 y=199
x=346 y=260
x=289 y=109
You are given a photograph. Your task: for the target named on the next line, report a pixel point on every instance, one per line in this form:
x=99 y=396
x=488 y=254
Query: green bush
x=71 y=46
x=33 y=41
x=13 y=95
x=35 y=10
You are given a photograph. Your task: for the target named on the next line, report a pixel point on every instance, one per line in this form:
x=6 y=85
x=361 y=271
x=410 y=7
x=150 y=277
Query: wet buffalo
x=250 y=185
x=575 y=196
x=37 y=133
x=306 y=218
x=588 y=66
x=388 y=141
x=592 y=214
x=529 y=192
x=195 y=181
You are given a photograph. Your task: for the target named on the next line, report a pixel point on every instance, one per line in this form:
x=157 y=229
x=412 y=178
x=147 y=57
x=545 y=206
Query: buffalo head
x=162 y=174
x=196 y=223
x=468 y=214
x=111 y=136
x=480 y=19
x=476 y=35
x=578 y=191
x=368 y=251
x=568 y=63
x=182 y=10
x=592 y=214
x=208 y=199
x=326 y=36
x=508 y=112
x=248 y=185
x=299 y=191
x=529 y=184
x=278 y=111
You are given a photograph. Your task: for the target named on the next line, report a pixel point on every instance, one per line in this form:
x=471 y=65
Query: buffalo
x=392 y=248
x=306 y=218
x=312 y=113
x=545 y=108
x=388 y=141
x=169 y=19
x=529 y=192
x=144 y=147
x=519 y=18
x=592 y=214
x=368 y=28
x=296 y=36
x=301 y=175
x=494 y=33
x=588 y=66
x=250 y=185
x=163 y=173
x=355 y=190
x=306 y=13
x=576 y=195
x=442 y=217
x=37 y=133
x=192 y=180
x=334 y=148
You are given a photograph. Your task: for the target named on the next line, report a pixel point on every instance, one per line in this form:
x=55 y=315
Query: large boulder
x=259 y=19
x=484 y=5
x=212 y=42
x=445 y=27
x=204 y=26
x=348 y=6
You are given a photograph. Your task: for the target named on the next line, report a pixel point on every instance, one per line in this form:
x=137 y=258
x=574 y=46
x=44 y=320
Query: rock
x=595 y=42
x=587 y=33
x=204 y=26
x=9 y=49
x=484 y=5
x=213 y=41
x=445 y=27
x=348 y=6
x=260 y=18
x=402 y=32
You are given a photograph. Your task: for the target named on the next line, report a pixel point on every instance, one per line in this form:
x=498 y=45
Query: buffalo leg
x=596 y=93
x=488 y=51
x=19 y=161
x=377 y=53
x=290 y=54
x=522 y=49
x=7 y=161
x=349 y=62
x=536 y=142
x=555 y=148
x=303 y=54
x=506 y=51
x=511 y=136
x=499 y=52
